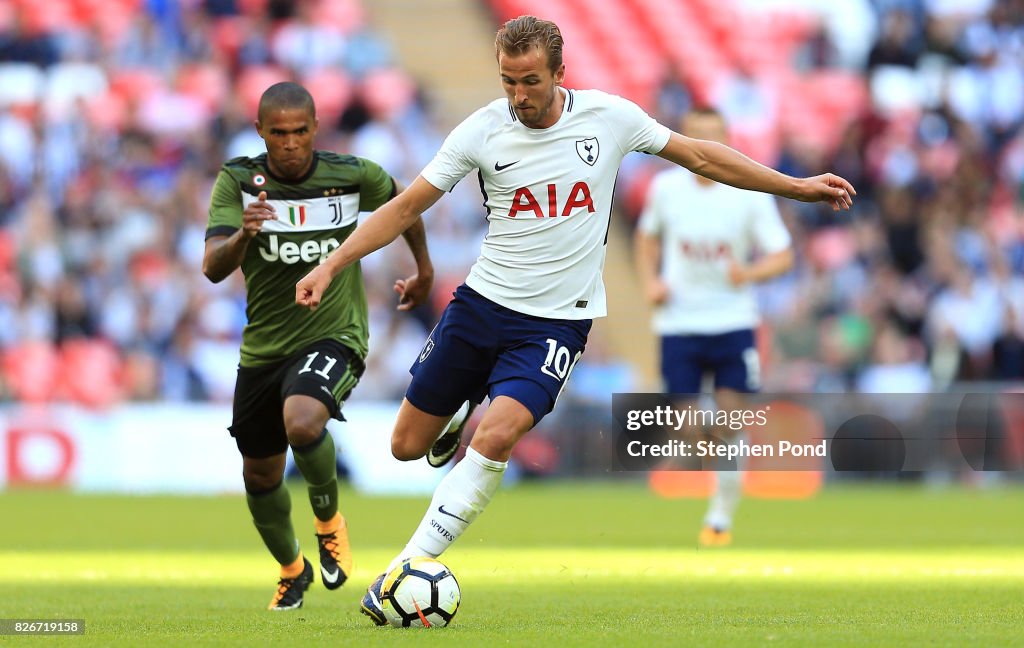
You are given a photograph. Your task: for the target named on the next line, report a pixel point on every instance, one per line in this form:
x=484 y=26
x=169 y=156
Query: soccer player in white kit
x=694 y=252
x=547 y=159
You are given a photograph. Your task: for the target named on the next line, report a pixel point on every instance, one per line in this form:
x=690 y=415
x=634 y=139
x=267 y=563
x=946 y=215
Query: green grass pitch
x=577 y=564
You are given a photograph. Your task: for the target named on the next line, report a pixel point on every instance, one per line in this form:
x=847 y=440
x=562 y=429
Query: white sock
x=728 y=489
x=458 y=500
x=461 y=412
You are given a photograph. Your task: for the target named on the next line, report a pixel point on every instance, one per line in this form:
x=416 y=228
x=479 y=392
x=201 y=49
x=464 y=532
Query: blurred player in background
x=695 y=247
x=547 y=158
x=276 y=216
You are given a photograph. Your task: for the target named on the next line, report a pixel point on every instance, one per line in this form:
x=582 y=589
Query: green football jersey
x=314 y=215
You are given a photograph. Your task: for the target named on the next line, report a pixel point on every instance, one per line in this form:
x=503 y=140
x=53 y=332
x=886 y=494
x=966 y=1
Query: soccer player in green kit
x=277 y=215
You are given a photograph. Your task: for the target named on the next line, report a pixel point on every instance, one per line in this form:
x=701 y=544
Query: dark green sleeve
x=375 y=188
x=225 y=206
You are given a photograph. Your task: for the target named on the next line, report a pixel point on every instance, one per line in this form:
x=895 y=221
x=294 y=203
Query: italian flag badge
x=297 y=215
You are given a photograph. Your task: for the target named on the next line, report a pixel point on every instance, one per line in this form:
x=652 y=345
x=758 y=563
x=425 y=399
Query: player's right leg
x=682 y=371
x=450 y=439
x=452 y=369
x=258 y=429
x=270 y=506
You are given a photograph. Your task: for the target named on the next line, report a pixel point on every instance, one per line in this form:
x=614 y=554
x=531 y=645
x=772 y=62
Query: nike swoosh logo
x=502 y=167
x=329 y=576
x=444 y=512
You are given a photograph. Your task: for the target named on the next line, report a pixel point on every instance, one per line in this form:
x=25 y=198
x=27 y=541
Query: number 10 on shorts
x=558 y=364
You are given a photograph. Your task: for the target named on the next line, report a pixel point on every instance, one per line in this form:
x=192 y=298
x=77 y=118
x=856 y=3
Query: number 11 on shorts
x=328 y=365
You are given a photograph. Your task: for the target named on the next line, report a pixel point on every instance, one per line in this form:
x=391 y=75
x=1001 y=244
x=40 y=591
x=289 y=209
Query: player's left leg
x=259 y=433
x=467 y=489
x=449 y=378
x=464 y=492
x=315 y=387
x=270 y=506
x=725 y=498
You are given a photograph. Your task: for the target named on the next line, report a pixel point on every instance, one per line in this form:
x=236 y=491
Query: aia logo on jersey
x=525 y=201
x=706 y=251
x=588 y=150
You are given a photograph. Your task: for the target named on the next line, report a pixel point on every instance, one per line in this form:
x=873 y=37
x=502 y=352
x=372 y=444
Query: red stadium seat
x=228 y=34
x=31 y=371
x=388 y=92
x=91 y=373
x=134 y=84
x=252 y=7
x=6 y=251
x=204 y=81
x=346 y=15
x=111 y=19
x=107 y=112
x=331 y=90
x=253 y=81
x=45 y=17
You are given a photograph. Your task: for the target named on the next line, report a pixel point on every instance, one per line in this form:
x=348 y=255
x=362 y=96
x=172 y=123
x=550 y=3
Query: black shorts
x=326 y=370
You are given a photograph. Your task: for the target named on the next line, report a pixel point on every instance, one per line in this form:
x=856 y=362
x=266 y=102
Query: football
x=420 y=593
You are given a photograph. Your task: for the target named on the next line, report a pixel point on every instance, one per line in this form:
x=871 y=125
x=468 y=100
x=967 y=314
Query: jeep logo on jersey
x=297 y=215
x=305 y=252
x=588 y=150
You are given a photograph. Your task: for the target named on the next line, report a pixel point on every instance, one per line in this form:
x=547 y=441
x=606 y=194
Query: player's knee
x=261 y=480
x=302 y=427
x=407 y=447
x=496 y=441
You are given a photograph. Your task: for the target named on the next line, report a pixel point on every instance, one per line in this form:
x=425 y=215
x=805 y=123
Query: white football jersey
x=548 y=196
x=701 y=228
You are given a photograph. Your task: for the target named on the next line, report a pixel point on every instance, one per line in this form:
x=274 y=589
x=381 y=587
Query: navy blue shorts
x=730 y=357
x=480 y=348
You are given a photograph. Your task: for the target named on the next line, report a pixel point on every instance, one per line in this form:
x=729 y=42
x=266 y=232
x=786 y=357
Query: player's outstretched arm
x=382 y=227
x=413 y=291
x=729 y=166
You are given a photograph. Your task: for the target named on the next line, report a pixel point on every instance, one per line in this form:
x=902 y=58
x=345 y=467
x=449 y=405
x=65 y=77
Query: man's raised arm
x=382 y=227
x=729 y=166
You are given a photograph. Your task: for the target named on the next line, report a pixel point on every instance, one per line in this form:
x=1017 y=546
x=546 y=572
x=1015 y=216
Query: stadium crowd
x=115 y=116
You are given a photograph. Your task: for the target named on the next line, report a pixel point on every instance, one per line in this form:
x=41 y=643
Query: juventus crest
x=588 y=150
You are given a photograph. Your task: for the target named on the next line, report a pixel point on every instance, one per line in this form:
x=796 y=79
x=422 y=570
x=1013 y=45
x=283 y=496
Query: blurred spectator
x=968 y=312
x=897 y=365
x=897 y=44
x=305 y=45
